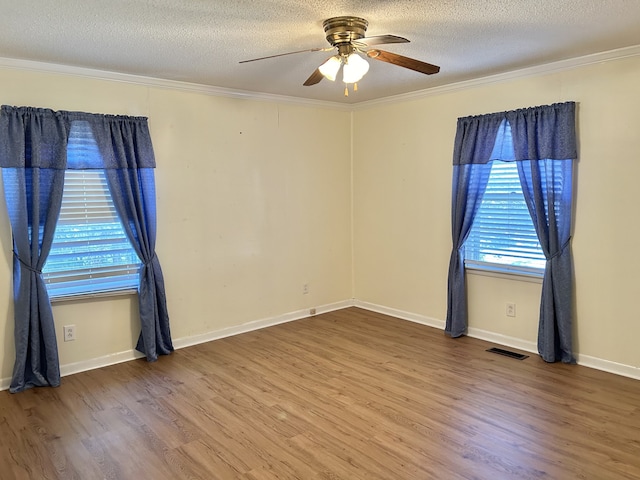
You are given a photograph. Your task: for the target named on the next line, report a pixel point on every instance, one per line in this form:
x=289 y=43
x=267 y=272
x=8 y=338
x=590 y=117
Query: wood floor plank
x=346 y=395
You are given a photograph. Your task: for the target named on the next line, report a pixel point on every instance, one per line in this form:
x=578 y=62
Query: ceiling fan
x=347 y=35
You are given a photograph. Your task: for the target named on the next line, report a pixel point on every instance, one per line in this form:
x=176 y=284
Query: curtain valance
x=549 y=133
x=50 y=129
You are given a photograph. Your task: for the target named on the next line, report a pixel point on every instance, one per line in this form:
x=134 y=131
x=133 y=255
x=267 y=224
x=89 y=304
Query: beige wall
x=402 y=188
x=251 y=206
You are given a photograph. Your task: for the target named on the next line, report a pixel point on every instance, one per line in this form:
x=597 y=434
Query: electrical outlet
x=511 y=309
x=305 y=288
x=69 y=333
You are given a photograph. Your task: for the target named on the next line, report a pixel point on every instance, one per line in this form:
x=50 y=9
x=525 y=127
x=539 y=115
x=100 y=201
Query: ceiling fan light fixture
x=355 y=67
x=330 y=68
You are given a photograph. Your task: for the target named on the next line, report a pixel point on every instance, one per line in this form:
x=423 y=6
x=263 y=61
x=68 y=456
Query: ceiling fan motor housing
x=341 y=31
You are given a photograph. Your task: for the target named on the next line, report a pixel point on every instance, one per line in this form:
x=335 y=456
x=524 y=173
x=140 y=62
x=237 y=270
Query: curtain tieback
x=148 y=262
x=28 y=267
x=559 y=252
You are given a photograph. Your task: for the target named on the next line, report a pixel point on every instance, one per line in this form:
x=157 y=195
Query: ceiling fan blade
x=405 y=62
x=288 y=53
x=379 y=40
x=314 y=78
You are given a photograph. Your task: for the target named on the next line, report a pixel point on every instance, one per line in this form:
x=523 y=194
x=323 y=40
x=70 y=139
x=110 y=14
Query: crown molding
x=43 y=67
x=537 y=70
x=554 y=67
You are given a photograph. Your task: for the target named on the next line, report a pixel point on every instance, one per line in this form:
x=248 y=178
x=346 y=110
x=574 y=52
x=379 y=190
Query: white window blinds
x=502 y=234
x=91 y=253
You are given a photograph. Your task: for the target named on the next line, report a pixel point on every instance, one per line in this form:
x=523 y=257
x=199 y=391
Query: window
x=91 y=253
x=502 y=237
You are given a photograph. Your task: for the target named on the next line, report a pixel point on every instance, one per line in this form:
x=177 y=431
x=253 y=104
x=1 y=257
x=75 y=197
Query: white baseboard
x=105 y=361
x=90 y=364
x=609 y=366
x=532 y=347
x=411 y=317
x=527 y=346
x=112 y=359
x=504 y=340
x=257 y=324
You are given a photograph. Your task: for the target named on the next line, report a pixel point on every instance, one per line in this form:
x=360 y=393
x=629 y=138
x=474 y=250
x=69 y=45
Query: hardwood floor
x=344 y=395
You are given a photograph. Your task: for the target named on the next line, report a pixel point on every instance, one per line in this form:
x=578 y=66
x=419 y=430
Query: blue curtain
x=544 y=147
x=33 y=158
x=132 y=187
x=547 y=184
x=475 y=138
x=133 y=191
x=469 y=183
x=128 y=159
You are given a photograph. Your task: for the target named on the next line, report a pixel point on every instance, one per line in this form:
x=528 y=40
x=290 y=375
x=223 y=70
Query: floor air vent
x=507 y=353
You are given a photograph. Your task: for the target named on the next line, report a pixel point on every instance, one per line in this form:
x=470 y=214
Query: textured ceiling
x=202 y=41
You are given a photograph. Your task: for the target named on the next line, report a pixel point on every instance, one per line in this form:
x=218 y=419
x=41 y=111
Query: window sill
x=90 y=296
x=497 y=271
